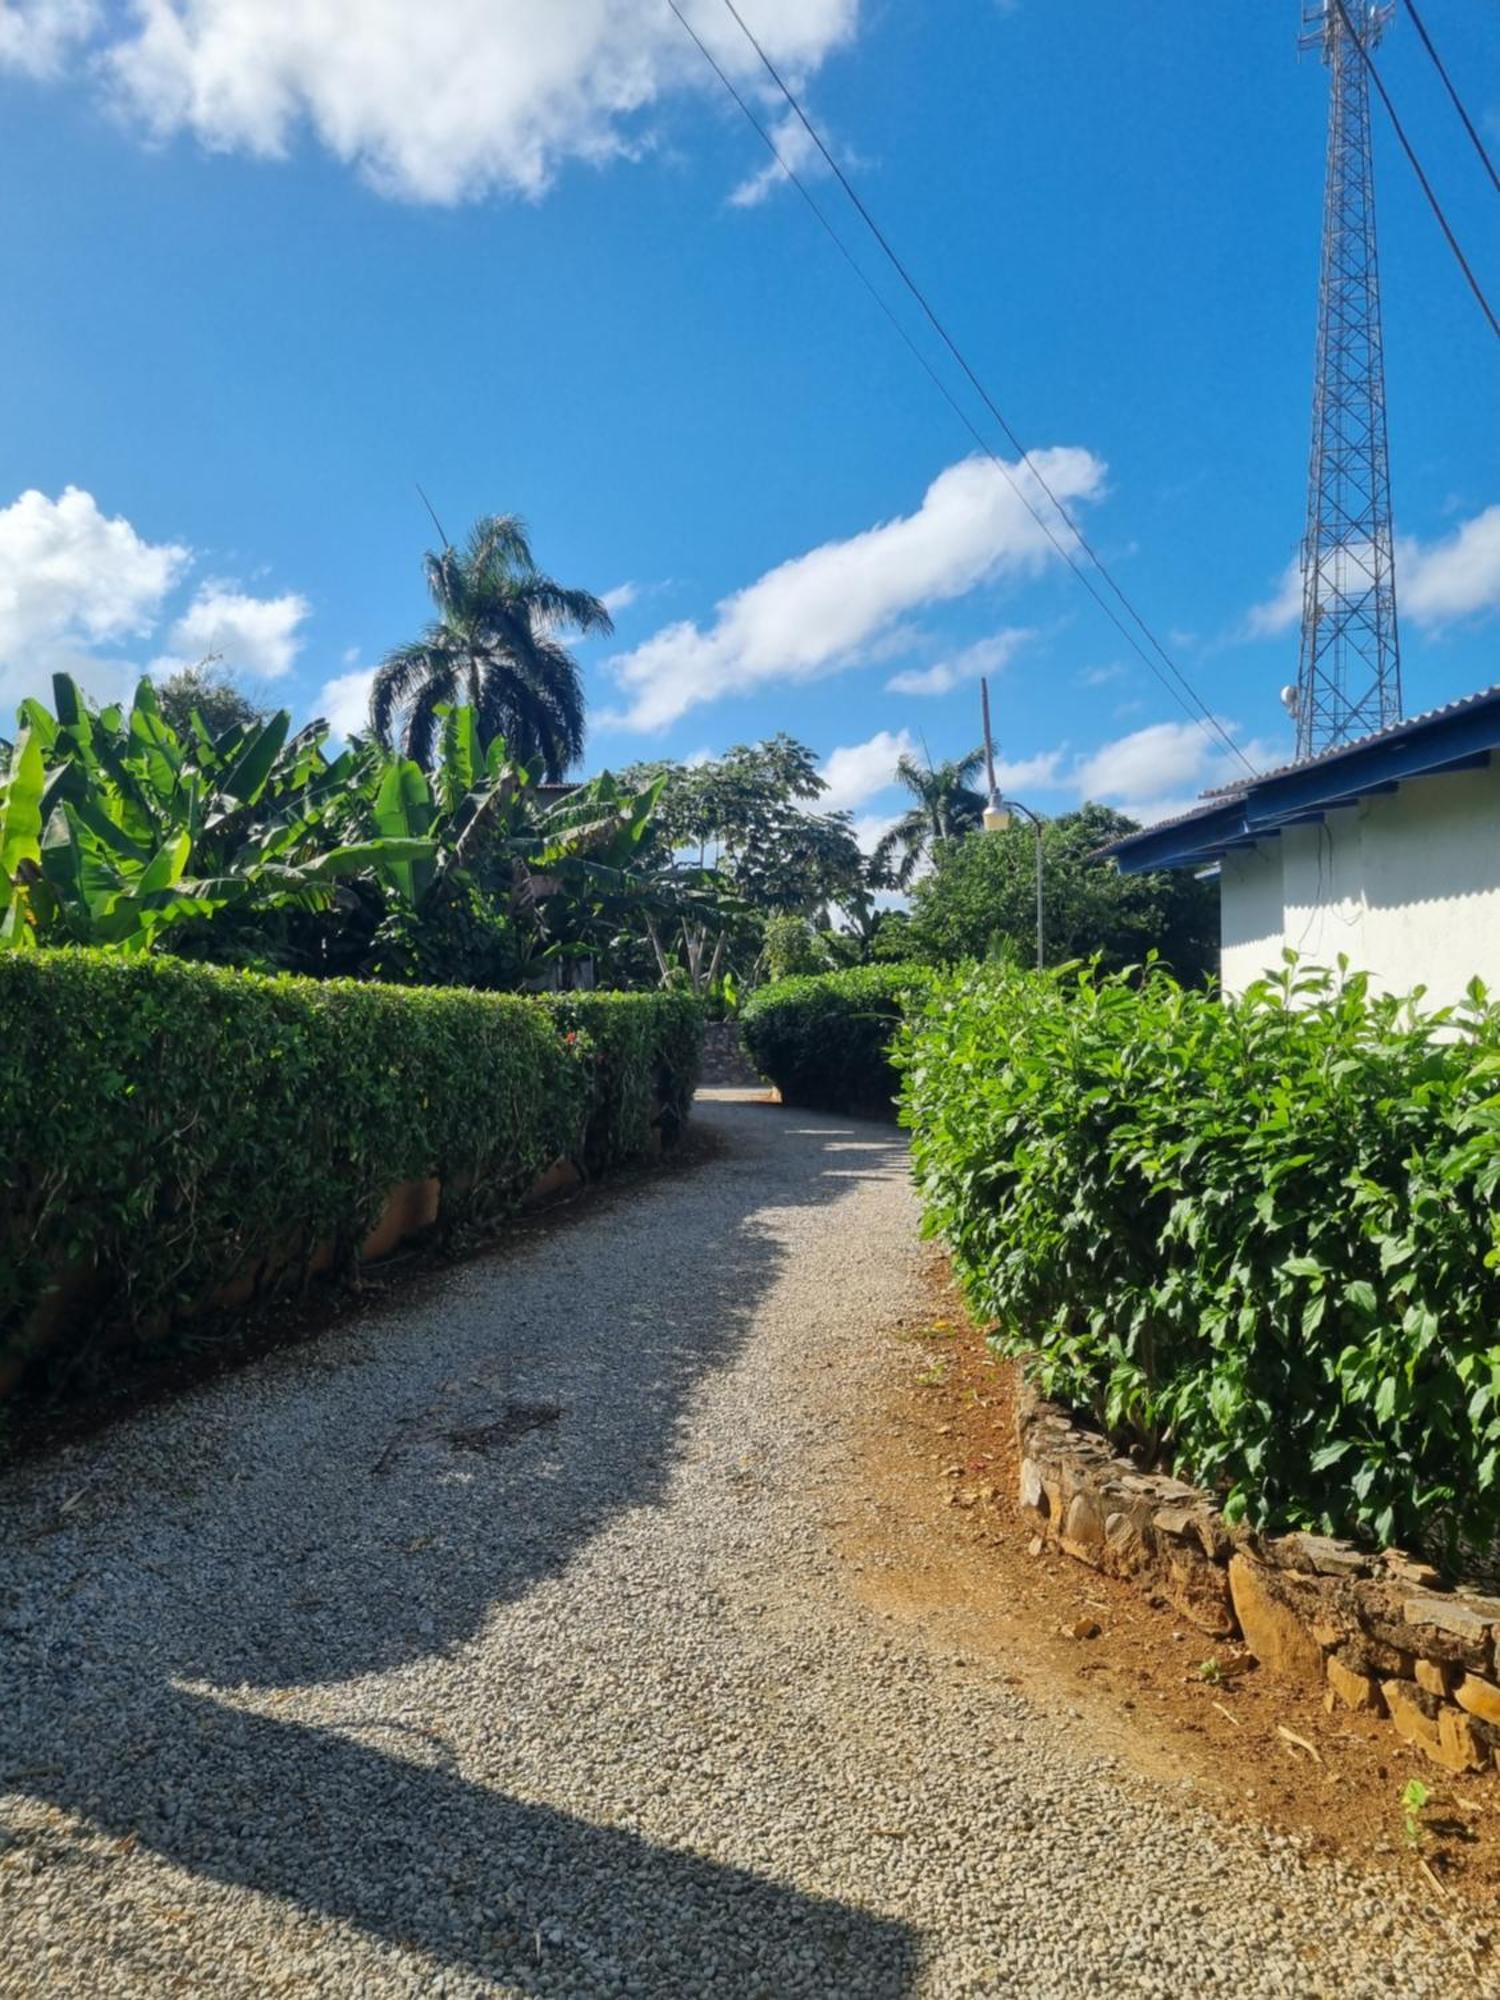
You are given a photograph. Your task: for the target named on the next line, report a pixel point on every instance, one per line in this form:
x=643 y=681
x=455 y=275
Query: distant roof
x=1458 y=737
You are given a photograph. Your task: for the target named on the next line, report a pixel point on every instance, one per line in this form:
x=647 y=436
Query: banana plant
x=548 y=867
x=117 y=829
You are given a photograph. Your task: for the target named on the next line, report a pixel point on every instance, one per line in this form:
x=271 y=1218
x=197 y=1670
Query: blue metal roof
x=1455 y=738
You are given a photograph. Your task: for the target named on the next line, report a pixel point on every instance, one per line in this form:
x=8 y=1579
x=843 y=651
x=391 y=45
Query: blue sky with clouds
x=267 y=265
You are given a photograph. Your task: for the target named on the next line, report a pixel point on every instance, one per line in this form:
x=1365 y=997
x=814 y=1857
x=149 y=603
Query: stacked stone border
x=1375 y=1632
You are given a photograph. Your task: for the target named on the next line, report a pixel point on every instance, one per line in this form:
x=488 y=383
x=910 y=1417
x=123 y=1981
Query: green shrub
x=1256 y=1238
x=824 y=1040
x=165 y=1128
x=644 y=1052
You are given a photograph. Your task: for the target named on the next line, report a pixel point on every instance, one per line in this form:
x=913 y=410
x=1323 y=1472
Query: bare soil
x=935 y=1534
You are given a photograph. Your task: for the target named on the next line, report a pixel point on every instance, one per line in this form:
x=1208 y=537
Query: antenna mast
x=1349 y=676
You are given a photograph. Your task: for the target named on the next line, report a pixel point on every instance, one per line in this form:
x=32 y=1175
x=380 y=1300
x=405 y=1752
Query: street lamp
x=999 y=813
x=999 y=817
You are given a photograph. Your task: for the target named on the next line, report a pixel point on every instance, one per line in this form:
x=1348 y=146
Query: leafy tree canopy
x=207 y=689
x=979 y=901
x=745 y=814
x=738 y=834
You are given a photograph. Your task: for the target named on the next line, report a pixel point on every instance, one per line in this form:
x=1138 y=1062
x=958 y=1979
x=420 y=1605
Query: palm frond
x=578 y=609
x=422 y=725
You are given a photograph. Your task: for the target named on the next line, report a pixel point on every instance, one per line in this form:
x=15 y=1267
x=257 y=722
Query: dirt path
x=515 y=1642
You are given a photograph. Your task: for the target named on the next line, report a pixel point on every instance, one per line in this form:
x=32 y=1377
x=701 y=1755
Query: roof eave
x=1462 y=738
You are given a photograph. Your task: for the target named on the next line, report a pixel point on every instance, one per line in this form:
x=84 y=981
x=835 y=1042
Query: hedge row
x=165 y=1128
x=824 y=1039
x=1256 y=1239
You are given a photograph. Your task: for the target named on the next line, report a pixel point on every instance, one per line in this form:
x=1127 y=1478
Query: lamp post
x=999 y=815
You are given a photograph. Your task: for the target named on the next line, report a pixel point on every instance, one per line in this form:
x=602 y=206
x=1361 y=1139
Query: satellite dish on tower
x=1290 y=701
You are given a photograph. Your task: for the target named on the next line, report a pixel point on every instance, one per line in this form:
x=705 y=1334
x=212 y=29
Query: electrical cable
x=1458 y=103
x=1416 y=166
x=953 y=348
x=1191 y=703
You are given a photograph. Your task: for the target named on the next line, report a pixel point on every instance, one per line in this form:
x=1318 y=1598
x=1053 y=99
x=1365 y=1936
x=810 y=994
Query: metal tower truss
x=1349 y=676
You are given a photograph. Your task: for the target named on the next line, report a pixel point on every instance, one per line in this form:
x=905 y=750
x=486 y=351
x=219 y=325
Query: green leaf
x=21 y=806
x=1304 y=1267
x=246 y=777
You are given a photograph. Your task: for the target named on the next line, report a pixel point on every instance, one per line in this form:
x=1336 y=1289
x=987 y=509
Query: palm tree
x=947 y=806
x=494 y=646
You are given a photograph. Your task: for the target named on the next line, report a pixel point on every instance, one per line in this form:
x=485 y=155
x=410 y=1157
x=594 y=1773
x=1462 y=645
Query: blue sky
x=266 y=266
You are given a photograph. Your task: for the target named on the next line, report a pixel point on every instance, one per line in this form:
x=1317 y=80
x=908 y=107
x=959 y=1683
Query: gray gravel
x=364 y=1673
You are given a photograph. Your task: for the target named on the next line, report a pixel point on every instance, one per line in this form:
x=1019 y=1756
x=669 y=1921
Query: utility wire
x=1416 y=166
x=1192 y=706
x=1458 y=103
x=953 y=348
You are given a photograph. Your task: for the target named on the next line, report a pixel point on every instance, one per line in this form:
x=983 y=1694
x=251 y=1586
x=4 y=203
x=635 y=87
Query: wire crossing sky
x=266 y=278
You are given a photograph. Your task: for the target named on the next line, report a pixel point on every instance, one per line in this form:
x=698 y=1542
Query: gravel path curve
x=498 y=1646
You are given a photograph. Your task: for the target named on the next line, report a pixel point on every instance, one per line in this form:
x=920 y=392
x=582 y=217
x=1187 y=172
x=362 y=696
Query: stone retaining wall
x=724 y=1060
x=1378 y=1633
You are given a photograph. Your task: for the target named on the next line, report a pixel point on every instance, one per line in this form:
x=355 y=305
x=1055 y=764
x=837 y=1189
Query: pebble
x=304 y=1698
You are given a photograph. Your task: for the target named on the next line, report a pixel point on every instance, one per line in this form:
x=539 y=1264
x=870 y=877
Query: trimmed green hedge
x=165 y=1128
x=644 y=1053
x=1258 y=1239
x=824 y=1038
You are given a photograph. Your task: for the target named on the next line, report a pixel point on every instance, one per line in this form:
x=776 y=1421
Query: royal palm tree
x=493 y=645
x=946 y=806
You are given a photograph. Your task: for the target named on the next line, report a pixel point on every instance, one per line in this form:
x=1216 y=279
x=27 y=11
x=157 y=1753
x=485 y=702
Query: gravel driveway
x=498 y=1646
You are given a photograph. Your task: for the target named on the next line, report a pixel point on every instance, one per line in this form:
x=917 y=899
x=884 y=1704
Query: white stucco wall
x=1405 y=885
x=1250 y=914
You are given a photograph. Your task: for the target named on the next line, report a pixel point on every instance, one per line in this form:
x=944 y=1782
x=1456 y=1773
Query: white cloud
x=37 y=35
x=1098 y=677
x=72 y=580
x=442 y=102
x=1160 y=771
x=255 y=636
x=1028 y=774
x=824 y=610
x=857 y=771
x=796 y=149
x=871 y=828
x=1281 y=611
x=344 y=701
x=1162 y=754
x=620 y=598
x=1436 y=582
x=985 y=656
x=1457 y=577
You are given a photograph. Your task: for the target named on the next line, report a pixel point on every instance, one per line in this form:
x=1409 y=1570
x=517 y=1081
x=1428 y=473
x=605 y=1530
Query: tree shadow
x=371 y=1502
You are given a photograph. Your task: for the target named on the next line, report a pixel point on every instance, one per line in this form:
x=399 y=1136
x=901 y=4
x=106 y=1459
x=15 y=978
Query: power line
x=958 y=355
x=1416 y=166
x=1192 y=704
x=1458 y=103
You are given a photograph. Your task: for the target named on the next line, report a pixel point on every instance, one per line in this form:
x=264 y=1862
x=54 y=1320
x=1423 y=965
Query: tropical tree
x=206 y=689
x=979 y=901
x=734 y=844
x=255 y=848
x=945 y=806
x=511 y=885
x=116 y=830
x=494 y=648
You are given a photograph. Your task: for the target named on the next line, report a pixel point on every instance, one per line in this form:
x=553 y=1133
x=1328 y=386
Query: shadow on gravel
x=539 y=1394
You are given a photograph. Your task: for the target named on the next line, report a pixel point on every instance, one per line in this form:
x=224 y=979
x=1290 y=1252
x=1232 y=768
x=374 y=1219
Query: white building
x=1385 y=851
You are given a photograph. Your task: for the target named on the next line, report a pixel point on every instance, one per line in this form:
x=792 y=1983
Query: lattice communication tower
x=1349 y=674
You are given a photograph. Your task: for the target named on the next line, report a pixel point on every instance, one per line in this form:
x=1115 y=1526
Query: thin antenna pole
x=989 y=748
x=433 y=511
